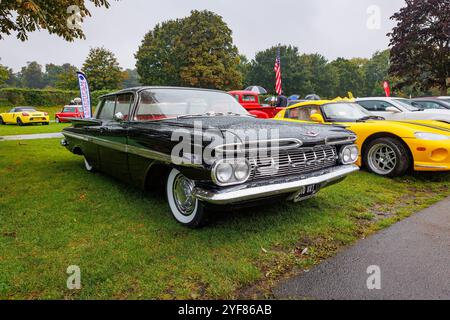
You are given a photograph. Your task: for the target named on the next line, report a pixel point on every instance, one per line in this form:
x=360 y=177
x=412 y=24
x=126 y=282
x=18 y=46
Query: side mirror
x=392 y=109
x=119 y=117
x=317 y=117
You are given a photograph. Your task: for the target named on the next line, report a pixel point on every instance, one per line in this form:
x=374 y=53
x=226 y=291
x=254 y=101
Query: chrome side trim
x=142 y=152
x=247 y=192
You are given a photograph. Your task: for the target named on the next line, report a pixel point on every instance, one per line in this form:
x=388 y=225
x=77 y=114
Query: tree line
x=198 y=51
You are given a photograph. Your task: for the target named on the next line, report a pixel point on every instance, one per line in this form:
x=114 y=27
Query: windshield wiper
x=199 y=115
x=369 y=118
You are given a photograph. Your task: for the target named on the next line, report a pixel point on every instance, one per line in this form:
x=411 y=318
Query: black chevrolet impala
x=208 y=150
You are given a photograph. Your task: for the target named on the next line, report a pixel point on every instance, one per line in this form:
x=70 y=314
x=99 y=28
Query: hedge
x=10 y=97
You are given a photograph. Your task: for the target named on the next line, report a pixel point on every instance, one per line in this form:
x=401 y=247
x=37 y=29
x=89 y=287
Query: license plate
x=306 y=192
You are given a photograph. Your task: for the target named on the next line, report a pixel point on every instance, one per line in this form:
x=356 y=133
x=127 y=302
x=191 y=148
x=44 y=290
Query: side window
x=382 y=105
x=368 y=105
x=302 y=113
x=107 y=110
x=124 y=102
x=248 y=98
x=12 y=110
x=430 y=105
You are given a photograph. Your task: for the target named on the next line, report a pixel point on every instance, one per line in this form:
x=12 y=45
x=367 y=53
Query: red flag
x=387 y=89
x=277 y=70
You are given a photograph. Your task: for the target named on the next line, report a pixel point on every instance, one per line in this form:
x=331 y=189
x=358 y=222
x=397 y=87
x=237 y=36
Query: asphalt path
x=409 y=260
x=32 y=136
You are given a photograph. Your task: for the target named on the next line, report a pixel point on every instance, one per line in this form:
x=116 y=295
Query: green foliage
x=43 y=97
x=196 y=51
x=24 y=17
x=131 y=79
x=102 y=70
x=376 y=71
x=420 y=42
x=4 y=75
x=349 y=77
x=31 y=76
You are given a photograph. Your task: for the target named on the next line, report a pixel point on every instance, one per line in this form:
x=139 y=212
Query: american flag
x=278 y=73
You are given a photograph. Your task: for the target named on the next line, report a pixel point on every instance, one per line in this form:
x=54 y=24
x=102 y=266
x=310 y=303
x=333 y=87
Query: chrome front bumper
x=252 y=191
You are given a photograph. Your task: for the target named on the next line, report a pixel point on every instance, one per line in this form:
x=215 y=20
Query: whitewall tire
x=88 y=166
x=184 y=207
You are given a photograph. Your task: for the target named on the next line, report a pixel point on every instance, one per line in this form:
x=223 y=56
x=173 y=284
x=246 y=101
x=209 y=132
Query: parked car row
x=136 y=135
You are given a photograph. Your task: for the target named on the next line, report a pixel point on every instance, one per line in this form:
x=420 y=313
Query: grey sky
x=333 y=28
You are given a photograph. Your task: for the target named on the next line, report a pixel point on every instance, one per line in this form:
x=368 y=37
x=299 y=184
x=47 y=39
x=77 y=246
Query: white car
x=401 y=109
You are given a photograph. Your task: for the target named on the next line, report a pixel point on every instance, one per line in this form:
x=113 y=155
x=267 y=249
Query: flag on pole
x=278 y=87
x=85 y=95
x=387 y=89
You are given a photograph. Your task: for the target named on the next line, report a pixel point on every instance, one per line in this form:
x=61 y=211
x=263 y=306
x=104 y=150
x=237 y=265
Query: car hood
x=265 y=129
x=405 y=126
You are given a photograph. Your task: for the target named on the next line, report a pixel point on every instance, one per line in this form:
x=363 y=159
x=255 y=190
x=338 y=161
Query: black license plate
x=306 y=192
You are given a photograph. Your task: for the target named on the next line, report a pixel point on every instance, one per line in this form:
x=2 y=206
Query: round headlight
x=241 y=170
x=224 y=172
x=346 y=155
x=354 y=153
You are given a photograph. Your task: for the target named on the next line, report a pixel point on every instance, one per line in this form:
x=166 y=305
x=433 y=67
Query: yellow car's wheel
x=1 y=121
x=387 y=157
x=19 y=122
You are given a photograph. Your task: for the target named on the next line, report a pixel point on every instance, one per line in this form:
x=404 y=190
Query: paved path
x=413 y=256
x=32 y=136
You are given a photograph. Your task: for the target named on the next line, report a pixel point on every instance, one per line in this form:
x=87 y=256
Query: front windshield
x=345 y=111
x=408 y=104
x=157 y=104
x=25 y=109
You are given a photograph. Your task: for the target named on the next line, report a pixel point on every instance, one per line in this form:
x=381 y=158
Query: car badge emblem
x=311 y=134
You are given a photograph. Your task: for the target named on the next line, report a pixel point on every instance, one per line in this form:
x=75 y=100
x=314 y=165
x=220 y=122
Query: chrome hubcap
x=382 y=159
x=182 y=193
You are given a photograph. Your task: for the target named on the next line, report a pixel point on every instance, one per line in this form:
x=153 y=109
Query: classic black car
x=182 y=136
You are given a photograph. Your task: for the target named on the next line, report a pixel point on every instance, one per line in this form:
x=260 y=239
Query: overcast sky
x=333 y=28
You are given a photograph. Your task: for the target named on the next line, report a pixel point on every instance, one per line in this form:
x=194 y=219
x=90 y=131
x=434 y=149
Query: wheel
x=1 y=121
x=88 y=166
x=387 y=157
x=187 y=210
x=57 y=120
x=19 y=122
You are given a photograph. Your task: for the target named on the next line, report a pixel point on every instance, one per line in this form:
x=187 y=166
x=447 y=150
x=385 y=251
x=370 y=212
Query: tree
x=376 y=70
x=420 y=44
x=102 y=70
x=4 y=75
x=131 y=79
x=60 y=17
x=244 y=68
x=195 y=51
x=31 y=76
x=294 y=72
x=67 y=79
x=349 y=77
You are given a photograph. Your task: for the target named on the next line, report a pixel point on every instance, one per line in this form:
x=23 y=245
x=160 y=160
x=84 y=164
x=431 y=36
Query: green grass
x=11 y=129
x=53 y=214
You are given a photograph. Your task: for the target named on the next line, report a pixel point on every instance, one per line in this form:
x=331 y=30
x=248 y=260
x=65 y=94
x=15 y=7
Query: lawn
x=10 y=129
x=53 y=214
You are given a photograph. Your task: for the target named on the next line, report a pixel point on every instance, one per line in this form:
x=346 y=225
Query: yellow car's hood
x=405 y=128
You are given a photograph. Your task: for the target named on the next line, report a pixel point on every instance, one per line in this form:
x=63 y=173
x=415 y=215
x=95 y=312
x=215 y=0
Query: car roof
x=141 y=88
x=244 y=92
x=380 y=98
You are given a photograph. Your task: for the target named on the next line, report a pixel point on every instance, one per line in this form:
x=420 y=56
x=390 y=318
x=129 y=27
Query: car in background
x=445 y=98
x=401 y=109
x=135 y=137
x=292 y=102
x=70 y=111
x=431 y=103
x=387 y=148
x=24 y=115
x=250 y=101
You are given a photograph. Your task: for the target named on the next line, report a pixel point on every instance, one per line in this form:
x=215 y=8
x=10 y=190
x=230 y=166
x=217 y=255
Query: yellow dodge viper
x=24 y=115
x=387 y=148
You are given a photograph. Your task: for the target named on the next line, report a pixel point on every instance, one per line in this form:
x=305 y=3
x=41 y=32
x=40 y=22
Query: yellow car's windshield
x=346 y=111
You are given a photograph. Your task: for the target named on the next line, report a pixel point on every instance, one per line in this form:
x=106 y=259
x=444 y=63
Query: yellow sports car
x=24 y=115
x=388 y=148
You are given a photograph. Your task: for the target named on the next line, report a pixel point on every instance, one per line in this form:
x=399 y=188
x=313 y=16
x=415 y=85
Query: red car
x=69 y=112
x=250 y=101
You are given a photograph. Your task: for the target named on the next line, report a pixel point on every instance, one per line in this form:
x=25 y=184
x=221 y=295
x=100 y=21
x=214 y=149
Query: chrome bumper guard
x=251 y=191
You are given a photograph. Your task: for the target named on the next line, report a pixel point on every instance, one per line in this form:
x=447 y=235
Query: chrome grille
x=294 y=162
